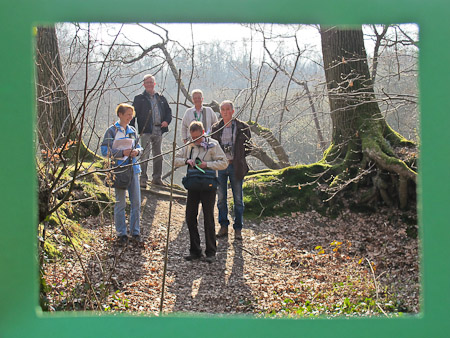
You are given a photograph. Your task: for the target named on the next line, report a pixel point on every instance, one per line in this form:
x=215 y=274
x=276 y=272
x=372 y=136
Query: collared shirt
x=156 y=115
x=228 y=140
x=213 y=156
x=198 y=114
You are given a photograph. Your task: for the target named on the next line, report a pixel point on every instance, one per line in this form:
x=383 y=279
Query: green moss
x=296 y=188
x=330 y=154
x=78 y=235
x=51 y=251
x=76 y=232
x=257 y=172
x=260 y=128
x=91 y=194
x=52 y=220
x=276 y=192
x=84 y=153
x=395 y=138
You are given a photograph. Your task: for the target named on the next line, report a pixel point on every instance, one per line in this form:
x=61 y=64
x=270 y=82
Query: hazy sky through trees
x=183 y=33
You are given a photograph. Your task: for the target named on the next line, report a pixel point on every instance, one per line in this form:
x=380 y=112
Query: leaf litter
x=298 y=265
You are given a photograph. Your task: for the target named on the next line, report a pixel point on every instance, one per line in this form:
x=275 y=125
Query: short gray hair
x=197 y=91
x=227 y=102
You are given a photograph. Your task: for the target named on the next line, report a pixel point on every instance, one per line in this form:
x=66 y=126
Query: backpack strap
x=204 y=118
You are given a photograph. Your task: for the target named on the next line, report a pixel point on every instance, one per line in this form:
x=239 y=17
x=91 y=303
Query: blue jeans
x=238 y=198
x=134 y=193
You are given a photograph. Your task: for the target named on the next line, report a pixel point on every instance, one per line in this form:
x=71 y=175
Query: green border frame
x=20 y=315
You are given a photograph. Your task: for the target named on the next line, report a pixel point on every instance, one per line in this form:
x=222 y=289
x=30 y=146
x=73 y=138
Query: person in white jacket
x=205 y=115
x=209 y=155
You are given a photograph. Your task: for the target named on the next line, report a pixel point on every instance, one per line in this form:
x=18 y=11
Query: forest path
x=303 y=263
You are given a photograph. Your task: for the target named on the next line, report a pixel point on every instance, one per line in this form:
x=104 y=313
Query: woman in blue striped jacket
x=120 y=142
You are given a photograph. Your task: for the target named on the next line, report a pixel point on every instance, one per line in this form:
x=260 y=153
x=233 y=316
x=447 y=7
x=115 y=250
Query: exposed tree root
x=363 y=167
x=391 y=164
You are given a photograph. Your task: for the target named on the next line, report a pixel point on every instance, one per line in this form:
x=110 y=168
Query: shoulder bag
x=197 y=179
x=122 y=174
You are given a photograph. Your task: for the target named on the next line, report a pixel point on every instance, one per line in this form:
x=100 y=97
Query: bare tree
x=60 y=132
x=272 y=93
x=363 y=146
x=54 y=117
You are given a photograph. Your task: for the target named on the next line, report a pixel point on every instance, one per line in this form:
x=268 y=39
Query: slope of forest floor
x=299 y=265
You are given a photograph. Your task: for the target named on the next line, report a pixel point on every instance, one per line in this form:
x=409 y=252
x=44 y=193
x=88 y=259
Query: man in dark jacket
x=234 y=137
x=153 y=116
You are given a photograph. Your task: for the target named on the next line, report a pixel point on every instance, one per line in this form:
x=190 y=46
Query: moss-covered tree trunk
x=58 y=136
x=360 y=133
x=365 y=152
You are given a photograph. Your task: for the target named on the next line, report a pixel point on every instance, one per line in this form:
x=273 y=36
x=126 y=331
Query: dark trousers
x=208 y=199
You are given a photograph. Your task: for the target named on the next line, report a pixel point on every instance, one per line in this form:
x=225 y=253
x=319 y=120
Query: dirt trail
x=281 y=264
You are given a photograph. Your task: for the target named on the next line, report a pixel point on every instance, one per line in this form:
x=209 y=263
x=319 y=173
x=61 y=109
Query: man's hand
x=190 y=162
x=164 y=124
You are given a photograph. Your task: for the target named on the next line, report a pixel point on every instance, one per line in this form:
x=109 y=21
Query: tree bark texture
x=350 y=88
x=53 y=111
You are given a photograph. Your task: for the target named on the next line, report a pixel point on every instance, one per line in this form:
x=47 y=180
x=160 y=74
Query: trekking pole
x=174 y=146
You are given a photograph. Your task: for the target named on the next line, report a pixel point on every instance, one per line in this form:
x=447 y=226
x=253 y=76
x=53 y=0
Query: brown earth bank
x=297 y=265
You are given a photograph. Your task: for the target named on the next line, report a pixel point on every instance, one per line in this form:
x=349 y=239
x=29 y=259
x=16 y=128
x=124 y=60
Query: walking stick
x=174 y=146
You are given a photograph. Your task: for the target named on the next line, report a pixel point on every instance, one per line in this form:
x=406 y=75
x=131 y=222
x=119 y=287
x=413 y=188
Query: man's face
x=226 y=111
x=198 y=99
x=195 y=134
x=149 y=85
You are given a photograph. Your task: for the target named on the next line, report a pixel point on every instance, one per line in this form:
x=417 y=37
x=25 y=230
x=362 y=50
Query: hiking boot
x=222 y=232
x=137 y=239
x=210 y=259
x=237 y=234
x=122 y=240
x=192 y=257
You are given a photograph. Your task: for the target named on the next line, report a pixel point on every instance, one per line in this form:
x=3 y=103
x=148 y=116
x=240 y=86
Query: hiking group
x=214 y=151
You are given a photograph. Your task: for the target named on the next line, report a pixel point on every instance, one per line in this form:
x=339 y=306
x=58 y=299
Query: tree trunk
x=56 y=130
x=350 y=89
x=53 y=111
x=364 y=150
x=360 y=134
